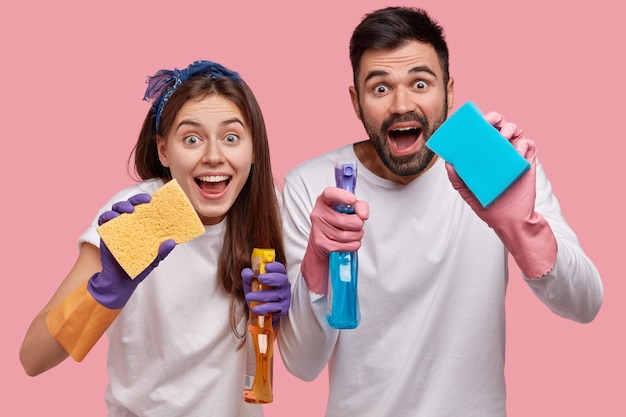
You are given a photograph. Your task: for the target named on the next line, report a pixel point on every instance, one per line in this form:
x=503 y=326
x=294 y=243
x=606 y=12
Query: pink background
x=73 y=77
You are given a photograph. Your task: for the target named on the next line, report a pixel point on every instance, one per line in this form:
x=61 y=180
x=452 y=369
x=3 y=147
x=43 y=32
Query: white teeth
x=405 y=129
x=213 y=178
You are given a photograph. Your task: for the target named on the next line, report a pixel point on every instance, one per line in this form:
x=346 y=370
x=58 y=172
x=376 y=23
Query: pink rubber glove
x=524 y=232
x=331 y=231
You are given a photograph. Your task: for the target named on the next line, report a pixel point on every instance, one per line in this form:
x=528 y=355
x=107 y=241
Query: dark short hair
x=392 y=27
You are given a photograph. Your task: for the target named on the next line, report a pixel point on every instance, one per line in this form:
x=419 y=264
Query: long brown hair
x=254 y=219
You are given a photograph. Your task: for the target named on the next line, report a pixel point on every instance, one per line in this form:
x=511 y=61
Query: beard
x=404 y=165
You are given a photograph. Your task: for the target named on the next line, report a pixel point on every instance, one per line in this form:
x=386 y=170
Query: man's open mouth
x=404 y=138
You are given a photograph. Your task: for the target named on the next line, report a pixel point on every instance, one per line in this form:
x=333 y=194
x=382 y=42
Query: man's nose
x=402 y=101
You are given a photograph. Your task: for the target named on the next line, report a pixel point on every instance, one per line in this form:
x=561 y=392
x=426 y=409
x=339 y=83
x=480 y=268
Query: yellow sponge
x=134 y=238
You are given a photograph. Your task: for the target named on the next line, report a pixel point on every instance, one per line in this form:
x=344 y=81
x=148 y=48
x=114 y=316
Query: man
x=432 y=262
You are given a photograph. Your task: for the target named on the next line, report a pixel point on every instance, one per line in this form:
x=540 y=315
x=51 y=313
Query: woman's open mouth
x=213 y=184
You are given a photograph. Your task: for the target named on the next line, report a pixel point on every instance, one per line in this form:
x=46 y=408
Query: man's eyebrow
x=382 y=73
x=372 y=74
x=423 y=68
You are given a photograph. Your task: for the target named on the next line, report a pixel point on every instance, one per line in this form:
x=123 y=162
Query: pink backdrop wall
x=73 y=77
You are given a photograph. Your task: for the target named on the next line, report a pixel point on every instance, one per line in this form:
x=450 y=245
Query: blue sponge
x=484 y=159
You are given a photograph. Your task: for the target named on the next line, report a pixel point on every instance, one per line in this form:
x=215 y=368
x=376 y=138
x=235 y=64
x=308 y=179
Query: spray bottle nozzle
x=345 y=174
x=345 y=177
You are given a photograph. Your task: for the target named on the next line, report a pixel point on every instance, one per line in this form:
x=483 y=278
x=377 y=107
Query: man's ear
x=354 y=96
x=450 y=91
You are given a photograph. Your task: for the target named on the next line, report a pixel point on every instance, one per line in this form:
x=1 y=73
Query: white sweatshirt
x=431 y=286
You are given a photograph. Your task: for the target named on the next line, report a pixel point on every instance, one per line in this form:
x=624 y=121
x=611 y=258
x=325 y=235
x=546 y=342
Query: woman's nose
x=212 y=153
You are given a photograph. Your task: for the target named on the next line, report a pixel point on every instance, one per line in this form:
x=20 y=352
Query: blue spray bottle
x=342 y=311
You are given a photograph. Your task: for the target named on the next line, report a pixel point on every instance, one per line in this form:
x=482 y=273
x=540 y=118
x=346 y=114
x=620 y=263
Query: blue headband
x=162 y=85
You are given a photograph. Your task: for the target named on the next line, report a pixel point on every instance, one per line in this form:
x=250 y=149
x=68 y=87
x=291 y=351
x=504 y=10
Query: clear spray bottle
x=342 y=310
x=260 y=343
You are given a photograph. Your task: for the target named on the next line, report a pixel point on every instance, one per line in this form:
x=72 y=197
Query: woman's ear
x=162 y=150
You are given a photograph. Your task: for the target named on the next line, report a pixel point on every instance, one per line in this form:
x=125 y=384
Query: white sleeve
x=305 y=339
x=573 y=288
x=147 y=186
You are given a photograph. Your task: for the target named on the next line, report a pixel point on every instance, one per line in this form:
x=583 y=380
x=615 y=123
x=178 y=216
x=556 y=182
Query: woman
x=176 y=331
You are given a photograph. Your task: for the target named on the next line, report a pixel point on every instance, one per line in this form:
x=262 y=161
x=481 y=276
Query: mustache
x=406 y=117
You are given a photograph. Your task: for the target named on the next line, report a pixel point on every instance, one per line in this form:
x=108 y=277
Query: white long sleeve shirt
x=171 y=351
x=431 y=286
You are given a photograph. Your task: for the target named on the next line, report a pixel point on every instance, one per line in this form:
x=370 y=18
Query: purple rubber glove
x=276 y=300
x=113 y=287
x=524 y=232
x=331 y=231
